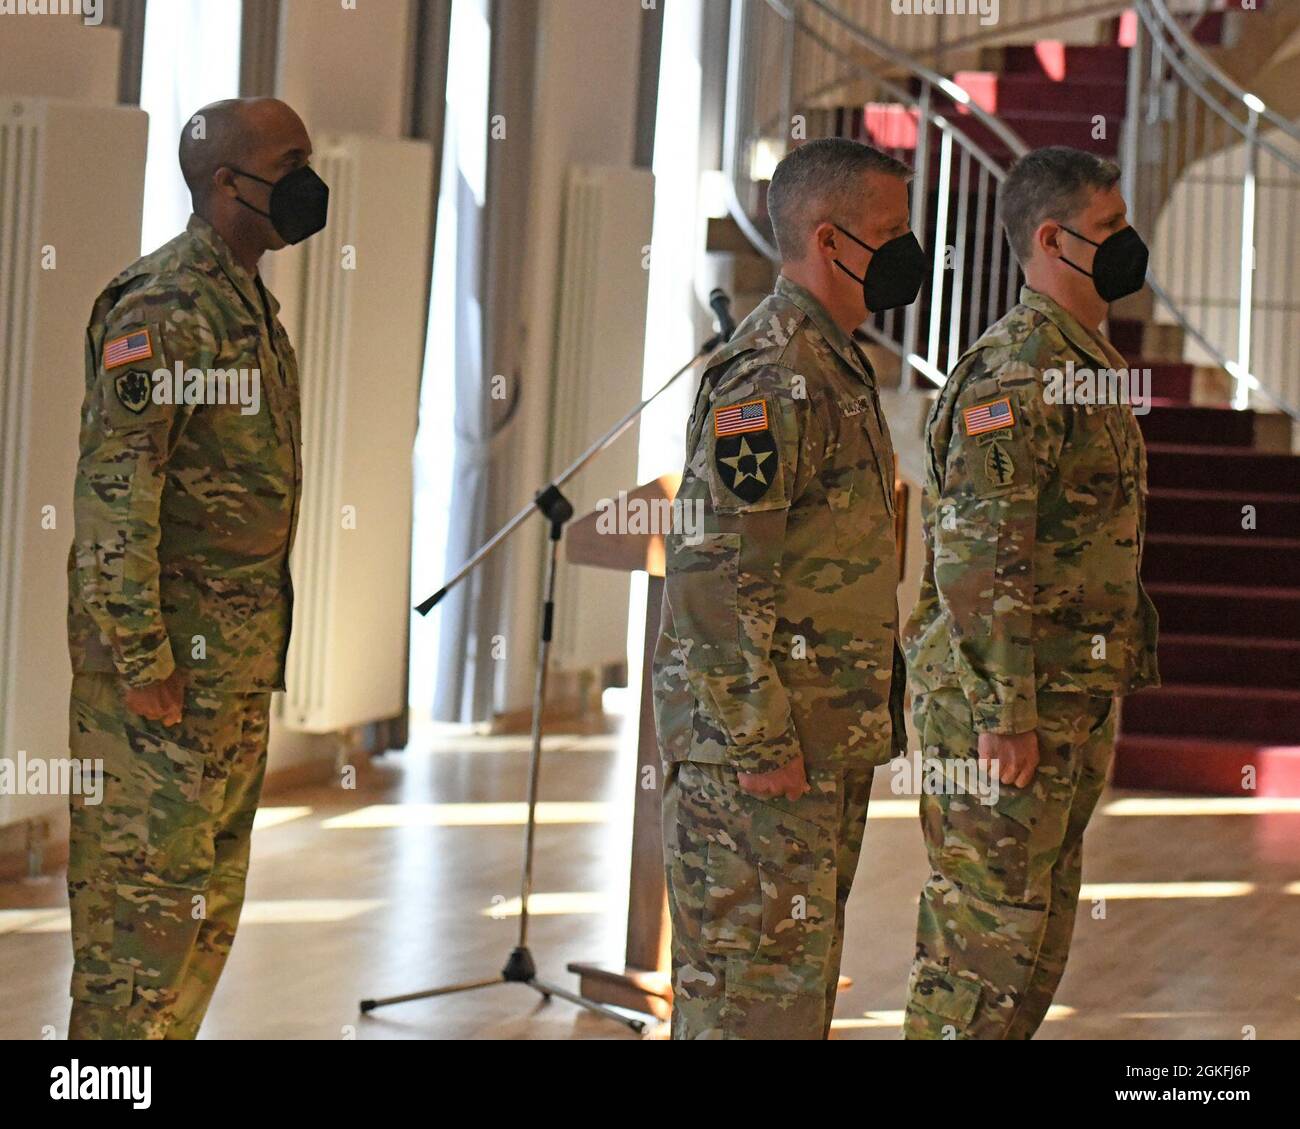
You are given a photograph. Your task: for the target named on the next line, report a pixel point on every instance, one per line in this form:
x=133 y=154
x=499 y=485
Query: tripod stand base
x=520 y=969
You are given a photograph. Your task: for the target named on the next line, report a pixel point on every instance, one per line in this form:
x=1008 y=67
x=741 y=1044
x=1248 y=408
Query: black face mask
x=299 y=203
x=1119 y=268
x=894 y=275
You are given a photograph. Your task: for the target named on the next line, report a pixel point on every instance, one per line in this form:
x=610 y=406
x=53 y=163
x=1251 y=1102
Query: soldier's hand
x=789 y=780
x=159 y=701
x=1015 y=753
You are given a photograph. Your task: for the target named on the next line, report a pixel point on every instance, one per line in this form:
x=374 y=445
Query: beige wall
x=59 y=57
x=345 y=69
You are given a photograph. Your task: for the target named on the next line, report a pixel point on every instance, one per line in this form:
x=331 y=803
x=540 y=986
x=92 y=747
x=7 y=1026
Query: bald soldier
x=186 y=502
x=1031 y=618
x=778 y=681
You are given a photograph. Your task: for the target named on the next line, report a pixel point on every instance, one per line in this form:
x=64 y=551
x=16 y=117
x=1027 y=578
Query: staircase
x=1220 y=563
x=1222 y=555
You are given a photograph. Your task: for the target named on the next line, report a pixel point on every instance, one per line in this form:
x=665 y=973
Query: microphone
x=721 y=305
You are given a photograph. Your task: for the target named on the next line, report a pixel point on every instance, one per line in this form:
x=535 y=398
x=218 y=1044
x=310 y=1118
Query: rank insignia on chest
x=747 y=464
x=133 y=389
x=737 y=419
x=988 y=417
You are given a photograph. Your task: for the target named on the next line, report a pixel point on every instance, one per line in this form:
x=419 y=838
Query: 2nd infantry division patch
x=745 y=449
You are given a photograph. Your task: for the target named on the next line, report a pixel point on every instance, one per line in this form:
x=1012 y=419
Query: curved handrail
x=954 y=91
x=1160 y=11
x=1217 y=94
x=961 y=159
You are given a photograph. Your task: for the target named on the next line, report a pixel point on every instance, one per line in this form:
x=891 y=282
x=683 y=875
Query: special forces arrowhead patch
x=747 y=463
x=999 y=467
x=133 y=390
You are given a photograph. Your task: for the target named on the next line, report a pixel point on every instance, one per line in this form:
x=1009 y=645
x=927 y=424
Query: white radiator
x=599 y=359
x=50 y=152
x=359 y=335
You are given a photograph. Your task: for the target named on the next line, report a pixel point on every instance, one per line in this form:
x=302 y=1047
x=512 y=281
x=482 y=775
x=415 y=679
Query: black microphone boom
x=721 y=305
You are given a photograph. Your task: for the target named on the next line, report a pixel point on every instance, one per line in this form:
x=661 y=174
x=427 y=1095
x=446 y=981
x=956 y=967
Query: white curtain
x=449 y=468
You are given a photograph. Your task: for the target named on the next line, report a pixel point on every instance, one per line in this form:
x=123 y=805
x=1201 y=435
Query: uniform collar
x=1094 y=345
x=845 y=347
x=242 y=280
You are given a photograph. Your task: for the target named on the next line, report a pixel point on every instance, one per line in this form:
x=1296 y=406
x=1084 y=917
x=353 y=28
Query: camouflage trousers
x=997 y=914
x=756 y=895
x=156 y=871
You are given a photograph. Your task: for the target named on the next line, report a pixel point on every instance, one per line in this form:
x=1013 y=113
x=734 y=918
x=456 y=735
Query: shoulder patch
x=737 y=419
x=747 y=463
x=133 y=390
x=990 y=416
x=134 y=346
x=999 y=467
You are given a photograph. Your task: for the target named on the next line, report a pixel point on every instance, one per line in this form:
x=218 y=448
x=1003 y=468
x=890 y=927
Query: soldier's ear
x=223 y=180
x=1048 y=237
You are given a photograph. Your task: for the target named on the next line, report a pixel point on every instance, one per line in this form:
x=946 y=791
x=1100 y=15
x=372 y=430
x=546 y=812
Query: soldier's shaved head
x=236 y=132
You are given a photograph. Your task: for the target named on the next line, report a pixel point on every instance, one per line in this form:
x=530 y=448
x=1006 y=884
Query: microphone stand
x=520 y=968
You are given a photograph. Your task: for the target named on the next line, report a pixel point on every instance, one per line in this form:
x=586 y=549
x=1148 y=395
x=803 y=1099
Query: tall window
x=673 y=307
x=191 y=58
x=455 y=341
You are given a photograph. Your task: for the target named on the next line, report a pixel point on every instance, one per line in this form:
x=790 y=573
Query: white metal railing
x=975 y=278
x=1213 y=176
x=929 y=37
x=1206 y=167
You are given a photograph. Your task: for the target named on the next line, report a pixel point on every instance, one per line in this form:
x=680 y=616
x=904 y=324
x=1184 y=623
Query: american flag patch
x=740 y=418
x=134 y=346
x=989 y=417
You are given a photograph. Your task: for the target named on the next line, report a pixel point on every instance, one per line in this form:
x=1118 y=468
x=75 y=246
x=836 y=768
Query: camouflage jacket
x=779 y=620
x=185 y=506
x=1034 y=517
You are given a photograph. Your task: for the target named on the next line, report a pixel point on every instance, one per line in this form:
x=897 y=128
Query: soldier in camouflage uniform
x=778 y=680
x=1031 y=618
x=179 y=592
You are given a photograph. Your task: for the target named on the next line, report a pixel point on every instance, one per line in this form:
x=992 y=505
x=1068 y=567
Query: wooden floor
x=412 y=879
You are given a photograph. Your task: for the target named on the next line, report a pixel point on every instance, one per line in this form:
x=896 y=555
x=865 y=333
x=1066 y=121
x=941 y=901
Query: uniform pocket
x=702 y=584
x=859 y=506
x=768 y=873
x=1092 y=475
x=982 y=847
x=161 y=795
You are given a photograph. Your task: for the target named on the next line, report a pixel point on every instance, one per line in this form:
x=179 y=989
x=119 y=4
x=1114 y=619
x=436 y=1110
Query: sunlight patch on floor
x=466 y=815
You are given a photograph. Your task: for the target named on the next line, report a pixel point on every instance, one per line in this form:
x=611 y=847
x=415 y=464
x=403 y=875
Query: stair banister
x=1166 y=65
